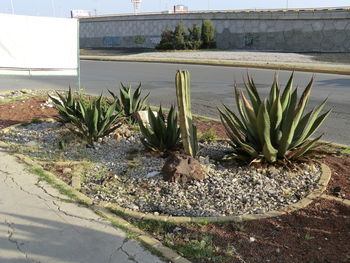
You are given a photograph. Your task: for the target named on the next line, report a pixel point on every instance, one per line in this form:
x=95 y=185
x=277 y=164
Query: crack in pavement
x=45 y=191
x=115 y=251
x=9 y=177
x=75 y=216
x=130 y=257
x=46 y=201
x=18 y=244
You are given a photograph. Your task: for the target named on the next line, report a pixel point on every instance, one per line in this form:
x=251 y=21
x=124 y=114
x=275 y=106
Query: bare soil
x=24 y=111
x=320 y=233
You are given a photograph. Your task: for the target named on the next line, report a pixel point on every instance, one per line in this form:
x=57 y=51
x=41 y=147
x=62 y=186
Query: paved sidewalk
x=36 y=226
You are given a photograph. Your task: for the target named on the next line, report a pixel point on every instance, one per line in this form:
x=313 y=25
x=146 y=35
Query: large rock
x=143 y=116
x=182 y=169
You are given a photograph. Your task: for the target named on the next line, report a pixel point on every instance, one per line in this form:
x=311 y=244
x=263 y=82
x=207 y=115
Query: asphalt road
x=211 y=86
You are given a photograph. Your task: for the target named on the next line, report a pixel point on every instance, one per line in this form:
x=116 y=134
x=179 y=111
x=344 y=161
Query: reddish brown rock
x=182 y=169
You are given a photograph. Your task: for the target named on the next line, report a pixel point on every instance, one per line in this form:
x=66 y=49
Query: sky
x=61 y=8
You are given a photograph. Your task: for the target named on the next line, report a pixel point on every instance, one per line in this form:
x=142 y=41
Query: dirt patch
x=318 y=233
x=207 y=125
x=24 y=111
x=339 y=184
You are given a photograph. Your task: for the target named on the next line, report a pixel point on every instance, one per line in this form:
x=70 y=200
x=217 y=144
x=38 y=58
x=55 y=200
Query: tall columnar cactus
x=188 y=130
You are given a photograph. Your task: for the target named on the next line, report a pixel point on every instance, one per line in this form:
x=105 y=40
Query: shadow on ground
x=30 y=238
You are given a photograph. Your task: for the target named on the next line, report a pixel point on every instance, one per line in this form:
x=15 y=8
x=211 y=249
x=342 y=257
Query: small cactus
x=188 y=130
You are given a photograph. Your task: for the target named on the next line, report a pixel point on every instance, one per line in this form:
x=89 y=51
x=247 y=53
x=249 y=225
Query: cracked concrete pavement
x=38 y=226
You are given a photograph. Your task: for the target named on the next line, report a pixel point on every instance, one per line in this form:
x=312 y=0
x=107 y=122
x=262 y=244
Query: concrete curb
x=333 y=198
x=139 y=235
x=304 y=67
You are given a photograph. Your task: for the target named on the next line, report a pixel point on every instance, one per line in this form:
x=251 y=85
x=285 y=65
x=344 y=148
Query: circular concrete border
x=108 y=210
x=322 y=185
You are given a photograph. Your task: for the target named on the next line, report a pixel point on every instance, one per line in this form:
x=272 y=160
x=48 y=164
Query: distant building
x=180 y=9
x=80 y=13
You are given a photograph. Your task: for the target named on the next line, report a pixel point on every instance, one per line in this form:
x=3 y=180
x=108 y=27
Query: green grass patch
x=14 y=98
x=200 y=247
x=43 y=176
x=345 y=151
x=154 y=226
x=208 y=136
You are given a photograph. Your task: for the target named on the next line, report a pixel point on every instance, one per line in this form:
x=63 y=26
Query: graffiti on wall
x=111 y=41
x=155 y=40
x=139 y=39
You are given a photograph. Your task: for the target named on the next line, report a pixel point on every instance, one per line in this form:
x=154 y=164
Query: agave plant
x=129 y=103
x=162 y=135
x=274 y=128
x=91 y=119
x=65 y=105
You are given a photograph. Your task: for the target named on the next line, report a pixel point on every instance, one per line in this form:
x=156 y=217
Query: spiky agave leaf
x=89 y=119
x=160 y=135
x=130 y=103
x=276 y=127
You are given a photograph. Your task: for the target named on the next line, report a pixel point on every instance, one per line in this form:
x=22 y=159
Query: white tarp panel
x=38 y=45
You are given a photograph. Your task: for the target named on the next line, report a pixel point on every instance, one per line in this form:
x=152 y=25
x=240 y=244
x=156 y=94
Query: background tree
x=194 y=37
x=167 y=40
x=179 y=37
x=208 y=34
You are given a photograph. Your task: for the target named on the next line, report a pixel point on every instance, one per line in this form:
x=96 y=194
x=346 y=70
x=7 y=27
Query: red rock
x=182 y=169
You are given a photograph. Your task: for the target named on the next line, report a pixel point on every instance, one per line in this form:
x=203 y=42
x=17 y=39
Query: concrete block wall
x=276 y=30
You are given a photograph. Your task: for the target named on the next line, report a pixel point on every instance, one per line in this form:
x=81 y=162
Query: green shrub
x=91 y=120
x=179 y=37
x=208 y=34
x=129 y=103
x=274 y=128
x=167 y=40
x=162 y=135
x=197 y=38
x=194 y=38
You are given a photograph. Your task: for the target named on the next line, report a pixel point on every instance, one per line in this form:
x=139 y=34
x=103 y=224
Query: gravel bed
x=122 y=172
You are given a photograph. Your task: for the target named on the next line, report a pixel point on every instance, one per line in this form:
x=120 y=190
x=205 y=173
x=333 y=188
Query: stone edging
x=333 y=198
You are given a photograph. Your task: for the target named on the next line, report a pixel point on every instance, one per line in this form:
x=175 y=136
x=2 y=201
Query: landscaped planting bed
x=121 y=171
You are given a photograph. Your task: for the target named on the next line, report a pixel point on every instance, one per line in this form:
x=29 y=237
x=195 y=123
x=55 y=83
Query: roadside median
x=304 y=67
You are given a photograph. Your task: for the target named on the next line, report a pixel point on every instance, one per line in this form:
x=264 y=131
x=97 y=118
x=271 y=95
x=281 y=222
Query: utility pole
x=13 y=9
x=287 y=4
